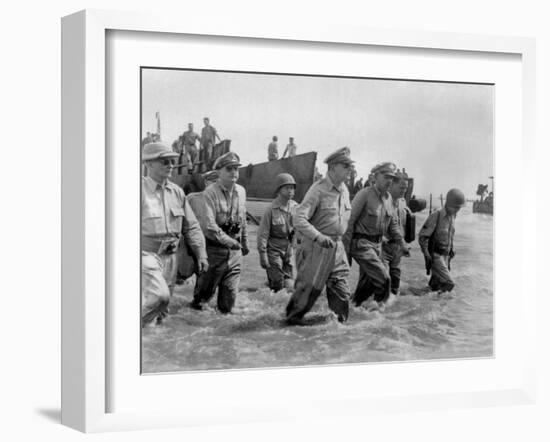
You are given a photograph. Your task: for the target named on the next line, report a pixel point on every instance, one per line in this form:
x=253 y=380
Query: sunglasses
x=167 y=162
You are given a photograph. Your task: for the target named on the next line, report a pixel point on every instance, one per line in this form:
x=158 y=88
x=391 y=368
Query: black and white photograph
x=292 y=220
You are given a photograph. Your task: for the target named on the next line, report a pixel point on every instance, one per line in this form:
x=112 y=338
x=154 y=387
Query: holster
x=160 y=246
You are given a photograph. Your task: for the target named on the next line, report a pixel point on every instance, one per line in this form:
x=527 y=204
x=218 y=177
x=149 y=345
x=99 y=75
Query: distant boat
x=485 y=203
x=485 y=206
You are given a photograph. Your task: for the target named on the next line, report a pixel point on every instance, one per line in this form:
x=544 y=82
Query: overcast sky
x=441 y=133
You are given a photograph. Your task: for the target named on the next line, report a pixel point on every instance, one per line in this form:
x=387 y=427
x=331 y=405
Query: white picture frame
x=85 y=234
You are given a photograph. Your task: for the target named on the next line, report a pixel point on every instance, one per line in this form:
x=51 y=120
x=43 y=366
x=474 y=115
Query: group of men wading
x=320 y=236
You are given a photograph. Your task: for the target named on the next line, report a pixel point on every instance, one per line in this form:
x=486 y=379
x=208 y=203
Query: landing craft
x=259 y=179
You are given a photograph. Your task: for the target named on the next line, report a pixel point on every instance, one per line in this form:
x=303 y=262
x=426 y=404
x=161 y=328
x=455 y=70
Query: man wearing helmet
x=436 y=241
x=276 y=233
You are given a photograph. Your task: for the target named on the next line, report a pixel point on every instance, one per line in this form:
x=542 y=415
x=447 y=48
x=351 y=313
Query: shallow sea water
x=413 y=327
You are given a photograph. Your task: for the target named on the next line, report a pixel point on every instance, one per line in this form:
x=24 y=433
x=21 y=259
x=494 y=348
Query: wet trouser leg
x=374 y=279
x=318 y=267
x=229 y=284
x=391 y=256
x=155 y=292
x=338 y=292
x=280 y=266
x=441 y=276
x=224 y=274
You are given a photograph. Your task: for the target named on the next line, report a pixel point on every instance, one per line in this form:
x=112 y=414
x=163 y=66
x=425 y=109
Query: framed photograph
x=238 y=207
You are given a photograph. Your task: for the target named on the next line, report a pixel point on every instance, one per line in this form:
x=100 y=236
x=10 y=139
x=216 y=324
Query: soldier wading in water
x=321 y=220
x=224 y=224
x=436 y=241
x=276 y=233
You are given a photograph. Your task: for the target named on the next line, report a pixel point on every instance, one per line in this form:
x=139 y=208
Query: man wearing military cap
x=372 y=218
x=321 y=220
x=165 y=217
x=224 y=226
x=391 y=249
x=276 y=235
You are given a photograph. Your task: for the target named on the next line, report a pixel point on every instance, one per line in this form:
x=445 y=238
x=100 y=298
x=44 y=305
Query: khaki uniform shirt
x=208 y=134
x=165 y=213
x=272 y=151
x=400 y=212
x=291 y=150
x=372 y=213
x=190 y=138
x=222 y=206
x=325 y=209
x=276 y=225
x=442 y=225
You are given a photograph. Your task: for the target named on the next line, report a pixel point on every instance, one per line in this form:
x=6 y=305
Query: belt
x=160 y=246
x=441 y=250
x=334 y=237
x=371 y=238
x=212 y=243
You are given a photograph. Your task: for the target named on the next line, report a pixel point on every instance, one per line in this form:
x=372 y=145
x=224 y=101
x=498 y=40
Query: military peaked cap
x=228 y=159
x=341 y=155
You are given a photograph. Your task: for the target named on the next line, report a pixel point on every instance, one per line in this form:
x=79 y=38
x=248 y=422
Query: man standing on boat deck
x=321 y=219
x=436 y=241
x=290 y=148
x=190 y=138
x=208 y=139
x=392 y=250
x=372 y=218
x=165 y=216
x=224 y=226
x=273 y=149
x=276 y=235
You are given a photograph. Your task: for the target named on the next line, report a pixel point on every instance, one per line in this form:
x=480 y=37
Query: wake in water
x=417 y=325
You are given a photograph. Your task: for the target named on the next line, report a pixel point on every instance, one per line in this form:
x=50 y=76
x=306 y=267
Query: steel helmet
x=455 y=198
x=284 y=179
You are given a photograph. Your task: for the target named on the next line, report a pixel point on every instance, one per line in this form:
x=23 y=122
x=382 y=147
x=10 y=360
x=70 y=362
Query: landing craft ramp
x=259 y=179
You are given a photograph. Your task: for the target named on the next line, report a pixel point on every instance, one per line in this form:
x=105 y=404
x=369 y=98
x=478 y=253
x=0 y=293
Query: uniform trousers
x=319 y=267
x=441 y=276
x=391 y=256
x=224 y=274
x=158 y=275
x=281 y=269
x=374 y=278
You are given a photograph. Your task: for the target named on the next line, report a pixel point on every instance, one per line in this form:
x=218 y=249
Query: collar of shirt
x=444 y=213
x=152 y=185
x=397 y=202
x=278 y=204
x=225 y=189
x=382 y=196
x=331 y=185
